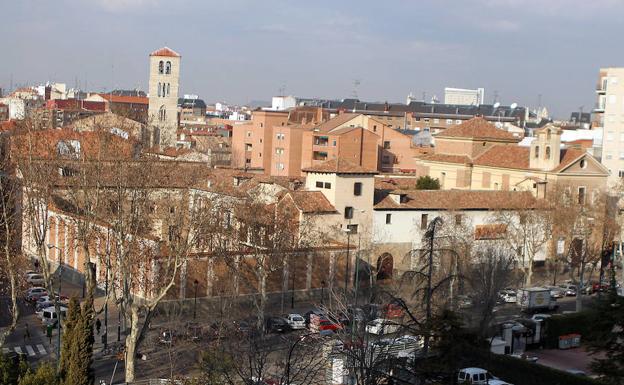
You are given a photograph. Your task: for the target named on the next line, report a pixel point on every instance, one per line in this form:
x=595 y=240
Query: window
x=327 y=185
x=279 y=166
x=621 y=173
x=168 y=89
x=609 y=155
x=279 y=151
x=249 y=134
x=160 y=67
x=374 y=128
x=386 y=144
x=348 y=213
x=353 y=229
x=388 y=219
x=172 y=210
x=583 y=163
x=168 y=68
x=621 y=155
x=319 y=184
x=458 y=121
x=547 y=152
x=162 y=114
x=163 y=90
x=536 y=152
x=449 y=121
x=386 y=159
x=357 y=188
x=423 y=221
x=334 y=143
x=581 y=195
x=281 y=136
x=458 y=219
x=436 y=121
x=159 y=93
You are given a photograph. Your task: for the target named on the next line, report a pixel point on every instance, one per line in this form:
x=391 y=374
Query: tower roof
x=165 y=51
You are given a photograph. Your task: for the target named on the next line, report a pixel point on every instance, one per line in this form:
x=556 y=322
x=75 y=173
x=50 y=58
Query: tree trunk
x=131 y=343
x=263 y=300
x=579 y=291
x=529 y=274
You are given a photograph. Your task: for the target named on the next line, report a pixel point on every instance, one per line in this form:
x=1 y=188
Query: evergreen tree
x=608 y=337
x=69 y=323
x=45 y=375
x=11 y=369
x=80 y=371
x=427 y=183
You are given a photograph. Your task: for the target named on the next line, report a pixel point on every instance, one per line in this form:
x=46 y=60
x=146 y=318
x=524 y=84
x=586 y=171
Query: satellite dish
x=513 y=105
x=496 y=105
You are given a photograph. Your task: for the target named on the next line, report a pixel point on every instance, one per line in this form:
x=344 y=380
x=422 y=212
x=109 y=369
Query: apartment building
x=282 y=143
x=609 y=115
x=464 y=97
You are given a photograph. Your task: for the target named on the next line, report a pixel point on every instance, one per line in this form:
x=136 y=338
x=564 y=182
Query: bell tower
x=546 y=148
x=164 y=82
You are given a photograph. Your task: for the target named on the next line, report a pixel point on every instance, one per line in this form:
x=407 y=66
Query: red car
x=325 y=324
x=393 y=310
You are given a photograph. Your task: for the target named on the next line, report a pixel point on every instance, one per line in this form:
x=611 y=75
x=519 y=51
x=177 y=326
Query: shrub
x=427 y=183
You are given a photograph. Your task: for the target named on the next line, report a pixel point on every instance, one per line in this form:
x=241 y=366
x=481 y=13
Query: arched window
x=168 y=68
x=536 y=152
x=160 y=67
x=548 y=135
x=168 y=89
x=162 y=114
x=163 y=90
x=547 y=152
x=159 y=93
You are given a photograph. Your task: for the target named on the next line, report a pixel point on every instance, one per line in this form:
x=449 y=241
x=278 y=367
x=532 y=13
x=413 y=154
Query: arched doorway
x=385 y=266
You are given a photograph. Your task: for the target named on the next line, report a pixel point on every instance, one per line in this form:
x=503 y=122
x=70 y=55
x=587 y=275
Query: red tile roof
x=125 y=99
x=446 y=158
x=568 y=156
x=505 y=157
x=478 y=128
x=460 y=200
x=339 y=166
x=165 y=51
x=312 y=202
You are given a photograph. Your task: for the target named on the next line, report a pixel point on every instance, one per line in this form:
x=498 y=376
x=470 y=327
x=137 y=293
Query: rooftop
x=478 y=128
x=339 y=166
x=459 y=200
x=165 y=51
x=312 y=202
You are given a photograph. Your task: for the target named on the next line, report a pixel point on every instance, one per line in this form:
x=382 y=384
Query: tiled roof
x=165 y=51
x=395 y=183
x=460 y=200
x=490 y=231
x=125 y=99
x=505 y=157
x=339 y=166
x=477 y=128
x=339 y=120
x=446 y=158
x=312 y=202
x=568 y=156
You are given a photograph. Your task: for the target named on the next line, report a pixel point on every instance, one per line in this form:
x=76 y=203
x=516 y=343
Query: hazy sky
x=238 y=51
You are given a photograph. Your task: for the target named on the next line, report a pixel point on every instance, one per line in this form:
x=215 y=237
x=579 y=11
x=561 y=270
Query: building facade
x=164 y=84
x=464 y=97
x=609 y=115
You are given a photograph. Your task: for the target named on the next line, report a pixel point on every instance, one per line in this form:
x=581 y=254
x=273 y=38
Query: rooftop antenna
x=282 y=90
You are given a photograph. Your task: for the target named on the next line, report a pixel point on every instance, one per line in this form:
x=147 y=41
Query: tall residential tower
x=164 y=81
x=609 y=114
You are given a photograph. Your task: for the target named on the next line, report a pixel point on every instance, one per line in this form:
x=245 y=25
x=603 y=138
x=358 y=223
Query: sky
x=239 y=51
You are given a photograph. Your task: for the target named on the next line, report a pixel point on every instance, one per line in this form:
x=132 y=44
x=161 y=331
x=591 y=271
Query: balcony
x=319 y=155
x=321 y=140
x=599 y=107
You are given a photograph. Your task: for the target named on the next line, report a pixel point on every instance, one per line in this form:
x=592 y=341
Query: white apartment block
x=609 y=115
x=464 y=97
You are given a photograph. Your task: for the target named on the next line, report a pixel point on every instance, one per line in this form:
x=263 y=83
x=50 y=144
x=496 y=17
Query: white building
x=463 y=96
x=280 y=103
x=609 y=115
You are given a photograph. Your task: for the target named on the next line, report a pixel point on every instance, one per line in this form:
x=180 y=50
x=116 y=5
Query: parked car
x=35 y=279
x=557 y=291
x=296 y=321
x=328 y=325
x=464 y=302
x=599 y=286
x=49 y=316
x=43 y=305
x=34 y=293
x=382 y=326
x=277 y=325
x=507 y=296
x=569 y=290
x=474 y=376
x=29 y=273
x=540 y=317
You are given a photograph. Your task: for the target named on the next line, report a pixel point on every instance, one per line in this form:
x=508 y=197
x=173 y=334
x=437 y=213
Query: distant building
x=192 y=109
x=4 y=112
x=464 y=97
x=609 y=115
x=164 y=82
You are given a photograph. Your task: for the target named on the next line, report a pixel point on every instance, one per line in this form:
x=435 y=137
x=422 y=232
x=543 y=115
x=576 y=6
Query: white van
x=474 y=376
x=49 y=316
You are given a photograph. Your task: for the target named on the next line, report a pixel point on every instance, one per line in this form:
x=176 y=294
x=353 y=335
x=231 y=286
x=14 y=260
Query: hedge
x=521 y=372
x=562 y=324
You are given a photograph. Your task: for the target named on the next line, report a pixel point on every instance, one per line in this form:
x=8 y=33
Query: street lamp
x=195 y=300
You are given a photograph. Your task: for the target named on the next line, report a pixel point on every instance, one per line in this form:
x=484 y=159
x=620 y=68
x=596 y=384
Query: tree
x=12 y=369
x=44 y=375
x=70 y=322
x=427 y=183
x=527 y=232
x=608 y=338
x=78 y=342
